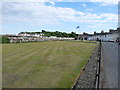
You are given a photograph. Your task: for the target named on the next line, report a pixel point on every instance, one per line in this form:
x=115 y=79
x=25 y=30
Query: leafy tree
x=56 y=33
x=47 y=35
x=5 y=39
x=43 y=31
x=65 y=34
x=52 y=33
x=73 y=34
x=0 y=40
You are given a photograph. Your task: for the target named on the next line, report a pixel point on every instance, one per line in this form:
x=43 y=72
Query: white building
x=31 y=34
x=112 y=35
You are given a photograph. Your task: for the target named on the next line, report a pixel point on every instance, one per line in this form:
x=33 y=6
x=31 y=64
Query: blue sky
x=58 y=16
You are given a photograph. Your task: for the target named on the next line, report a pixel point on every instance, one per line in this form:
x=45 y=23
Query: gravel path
x=87 y=78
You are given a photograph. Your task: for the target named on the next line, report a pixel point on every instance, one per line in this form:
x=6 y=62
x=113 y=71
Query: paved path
x=110 y=57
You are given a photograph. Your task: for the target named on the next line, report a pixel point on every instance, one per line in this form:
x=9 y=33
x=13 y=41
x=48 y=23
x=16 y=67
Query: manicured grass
x=54 y=64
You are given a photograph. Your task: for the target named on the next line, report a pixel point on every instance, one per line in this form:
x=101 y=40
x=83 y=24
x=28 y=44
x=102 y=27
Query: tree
x=43 y=31
x=5 y=40
x=73 y=34
x=64 y=34
x=52 y=34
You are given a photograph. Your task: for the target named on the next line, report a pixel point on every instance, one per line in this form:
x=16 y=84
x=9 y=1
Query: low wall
x=35 y=39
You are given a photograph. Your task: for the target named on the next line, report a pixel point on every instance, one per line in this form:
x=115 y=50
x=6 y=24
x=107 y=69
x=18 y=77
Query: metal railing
x=97 y=79
x=98 y=68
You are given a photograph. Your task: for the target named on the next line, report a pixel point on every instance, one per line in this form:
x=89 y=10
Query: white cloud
x=39 y=13
x=101 y=26
x=52 y=3
x=109 y=17
x=84 y=5
x=106 y=2
x=26 y=0
x=91 y=10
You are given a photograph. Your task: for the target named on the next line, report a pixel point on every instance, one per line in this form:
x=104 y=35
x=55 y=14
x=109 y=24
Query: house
x=112 y=35
x=84 y=36
x=13 y=38
x=25 y=34
x=29 y=37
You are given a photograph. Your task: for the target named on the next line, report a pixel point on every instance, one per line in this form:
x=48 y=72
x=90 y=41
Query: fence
x=98 y=68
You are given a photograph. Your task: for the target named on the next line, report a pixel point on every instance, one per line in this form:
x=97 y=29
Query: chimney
x=118 y=29
x=111 y=30
x=84 y=33
x=94 y=32
x=102 y=31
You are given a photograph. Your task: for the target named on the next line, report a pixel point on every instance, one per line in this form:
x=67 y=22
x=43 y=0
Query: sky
x=62 y=16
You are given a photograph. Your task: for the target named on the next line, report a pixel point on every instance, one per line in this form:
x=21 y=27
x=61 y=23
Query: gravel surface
x=88 y=75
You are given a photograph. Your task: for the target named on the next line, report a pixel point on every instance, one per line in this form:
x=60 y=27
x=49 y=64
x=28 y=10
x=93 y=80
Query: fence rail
x=97 y=86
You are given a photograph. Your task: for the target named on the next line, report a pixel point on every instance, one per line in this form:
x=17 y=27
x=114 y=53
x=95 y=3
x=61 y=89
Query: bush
x=4 y=40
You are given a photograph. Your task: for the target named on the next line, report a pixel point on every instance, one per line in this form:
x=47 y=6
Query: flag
x=77 y=27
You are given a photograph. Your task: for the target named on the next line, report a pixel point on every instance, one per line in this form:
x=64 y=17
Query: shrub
x=4 y=40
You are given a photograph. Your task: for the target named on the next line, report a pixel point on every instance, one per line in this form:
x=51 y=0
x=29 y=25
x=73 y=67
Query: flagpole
x=78 y=27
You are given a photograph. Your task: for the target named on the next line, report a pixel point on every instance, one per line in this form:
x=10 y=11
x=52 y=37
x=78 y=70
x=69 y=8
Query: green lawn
x=54 y=64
